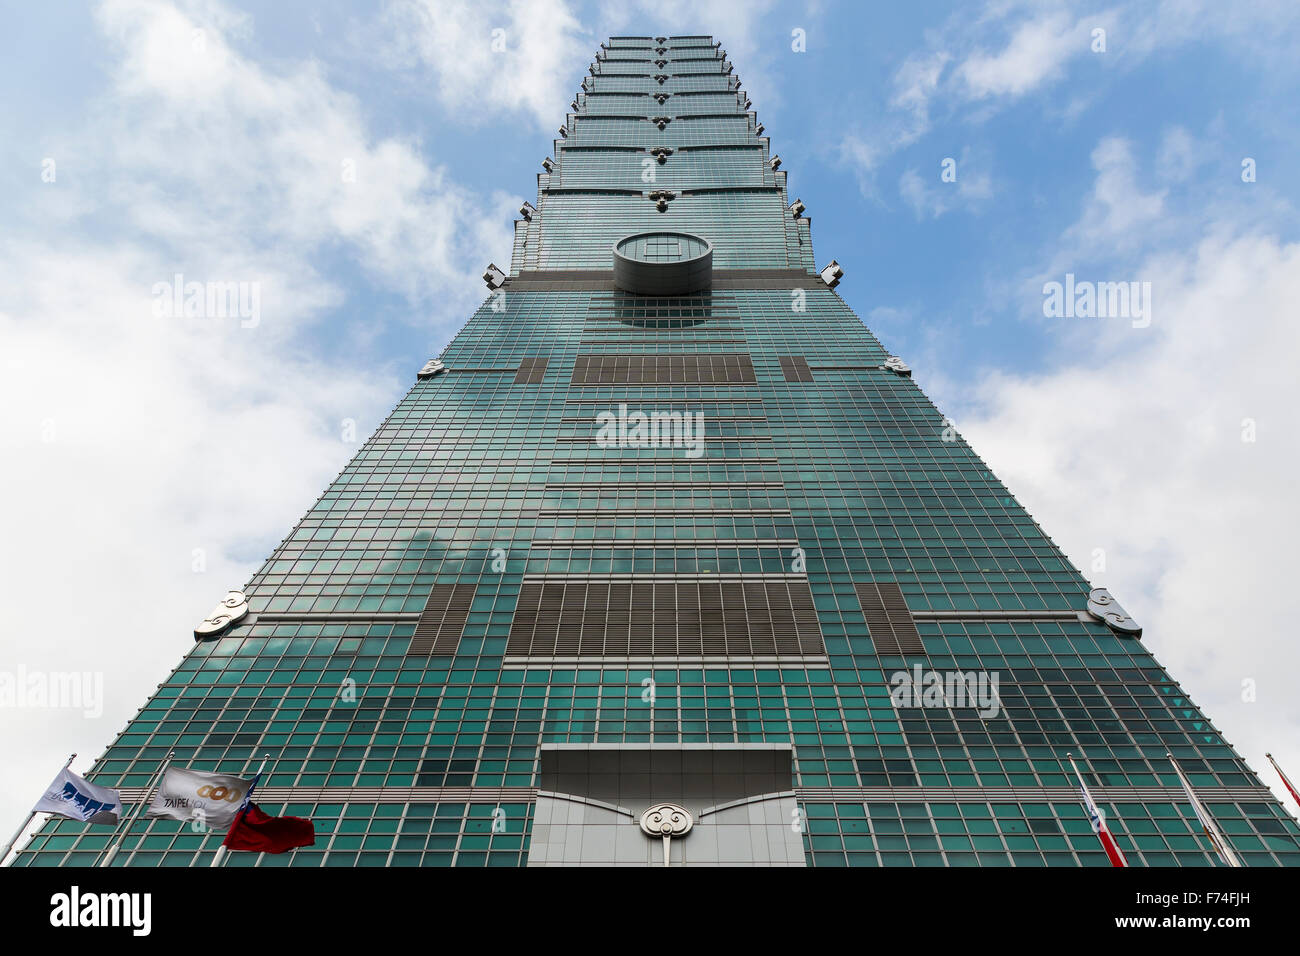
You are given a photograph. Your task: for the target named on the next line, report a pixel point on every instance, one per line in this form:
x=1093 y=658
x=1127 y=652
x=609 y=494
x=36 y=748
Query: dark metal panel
x=570 y=618
x=531 y=370
x=795 y=368
x=443 y=619
x=888 y=619
x=658 y=369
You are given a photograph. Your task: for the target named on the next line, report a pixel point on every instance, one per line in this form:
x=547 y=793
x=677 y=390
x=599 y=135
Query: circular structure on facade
x=666 y=820
x=663 y=263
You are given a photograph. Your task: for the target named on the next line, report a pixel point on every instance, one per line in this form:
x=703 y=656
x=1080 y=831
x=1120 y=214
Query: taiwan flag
x=1294 y=795
x=260 y=832
x=1098 y=821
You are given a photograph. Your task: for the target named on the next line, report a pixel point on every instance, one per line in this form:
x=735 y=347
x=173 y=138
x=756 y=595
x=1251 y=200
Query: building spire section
x=666 y=118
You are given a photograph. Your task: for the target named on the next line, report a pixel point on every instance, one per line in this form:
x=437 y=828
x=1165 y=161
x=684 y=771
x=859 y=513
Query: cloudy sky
x=361 y=163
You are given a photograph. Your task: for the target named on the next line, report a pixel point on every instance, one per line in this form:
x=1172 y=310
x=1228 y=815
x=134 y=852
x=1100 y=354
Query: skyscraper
x=667 y=559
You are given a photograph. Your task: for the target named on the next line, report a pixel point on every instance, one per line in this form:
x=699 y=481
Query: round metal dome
x=663 y=263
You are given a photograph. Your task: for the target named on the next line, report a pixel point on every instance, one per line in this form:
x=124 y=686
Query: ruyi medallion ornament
x=666 y=820
x=1103 y=606
x=232 y=609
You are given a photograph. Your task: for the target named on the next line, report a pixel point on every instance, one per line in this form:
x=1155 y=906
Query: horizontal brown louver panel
x=679 y=369
x=568 y=618
x=443 y=619
x=888 y=620
x=531 y=370
x=795 y=368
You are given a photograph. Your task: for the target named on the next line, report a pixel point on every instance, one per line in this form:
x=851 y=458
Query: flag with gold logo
x=211 y=798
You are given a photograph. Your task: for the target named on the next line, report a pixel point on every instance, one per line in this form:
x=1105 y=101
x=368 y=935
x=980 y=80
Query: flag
x=1294 y=796
x=1098 y=821
x=1207 y=822
x=259 y=832
x=74 y=797
x=212 y=798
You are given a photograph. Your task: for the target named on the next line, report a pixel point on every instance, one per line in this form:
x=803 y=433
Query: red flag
x=261 y=833
x=1098 y=820
x=1294 y=796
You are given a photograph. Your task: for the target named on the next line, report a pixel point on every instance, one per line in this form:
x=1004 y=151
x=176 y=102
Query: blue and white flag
x=72 y=796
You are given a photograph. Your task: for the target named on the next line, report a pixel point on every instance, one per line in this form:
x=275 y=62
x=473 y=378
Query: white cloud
x=1135 y=447
x=931 y=196
x=974 y=65
x=743 y=27
x=531 y=66
x=1001 y=54
x=1118 y=212
x=1180 y=155
x=916 y=80
x=211 y=147
x=860 y=153
x=914 y=83
x=1260 y=29
x=142 y=438
x=1037 y=52
x=925 y=200
x=547 y=44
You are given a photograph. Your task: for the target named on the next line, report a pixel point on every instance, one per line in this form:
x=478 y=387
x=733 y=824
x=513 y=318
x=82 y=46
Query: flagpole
x=135 y=813
x=1090 y=807
x=1294 y=796
x=1212 y=831
x=19 y=832
x=221 y=850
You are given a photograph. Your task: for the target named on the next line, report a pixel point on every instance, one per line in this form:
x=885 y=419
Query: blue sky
x=156 y=462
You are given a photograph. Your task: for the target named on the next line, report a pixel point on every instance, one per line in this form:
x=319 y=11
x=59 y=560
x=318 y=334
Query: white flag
x=1212 y=832
x=74 y=797
x=212 y=798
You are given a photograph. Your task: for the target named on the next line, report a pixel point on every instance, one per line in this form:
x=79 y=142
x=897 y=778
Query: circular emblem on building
x=232 y=609
x=666 y=820
x=663 y=263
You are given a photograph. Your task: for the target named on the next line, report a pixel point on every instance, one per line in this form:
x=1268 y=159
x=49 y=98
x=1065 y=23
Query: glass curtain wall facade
x=517 y=561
